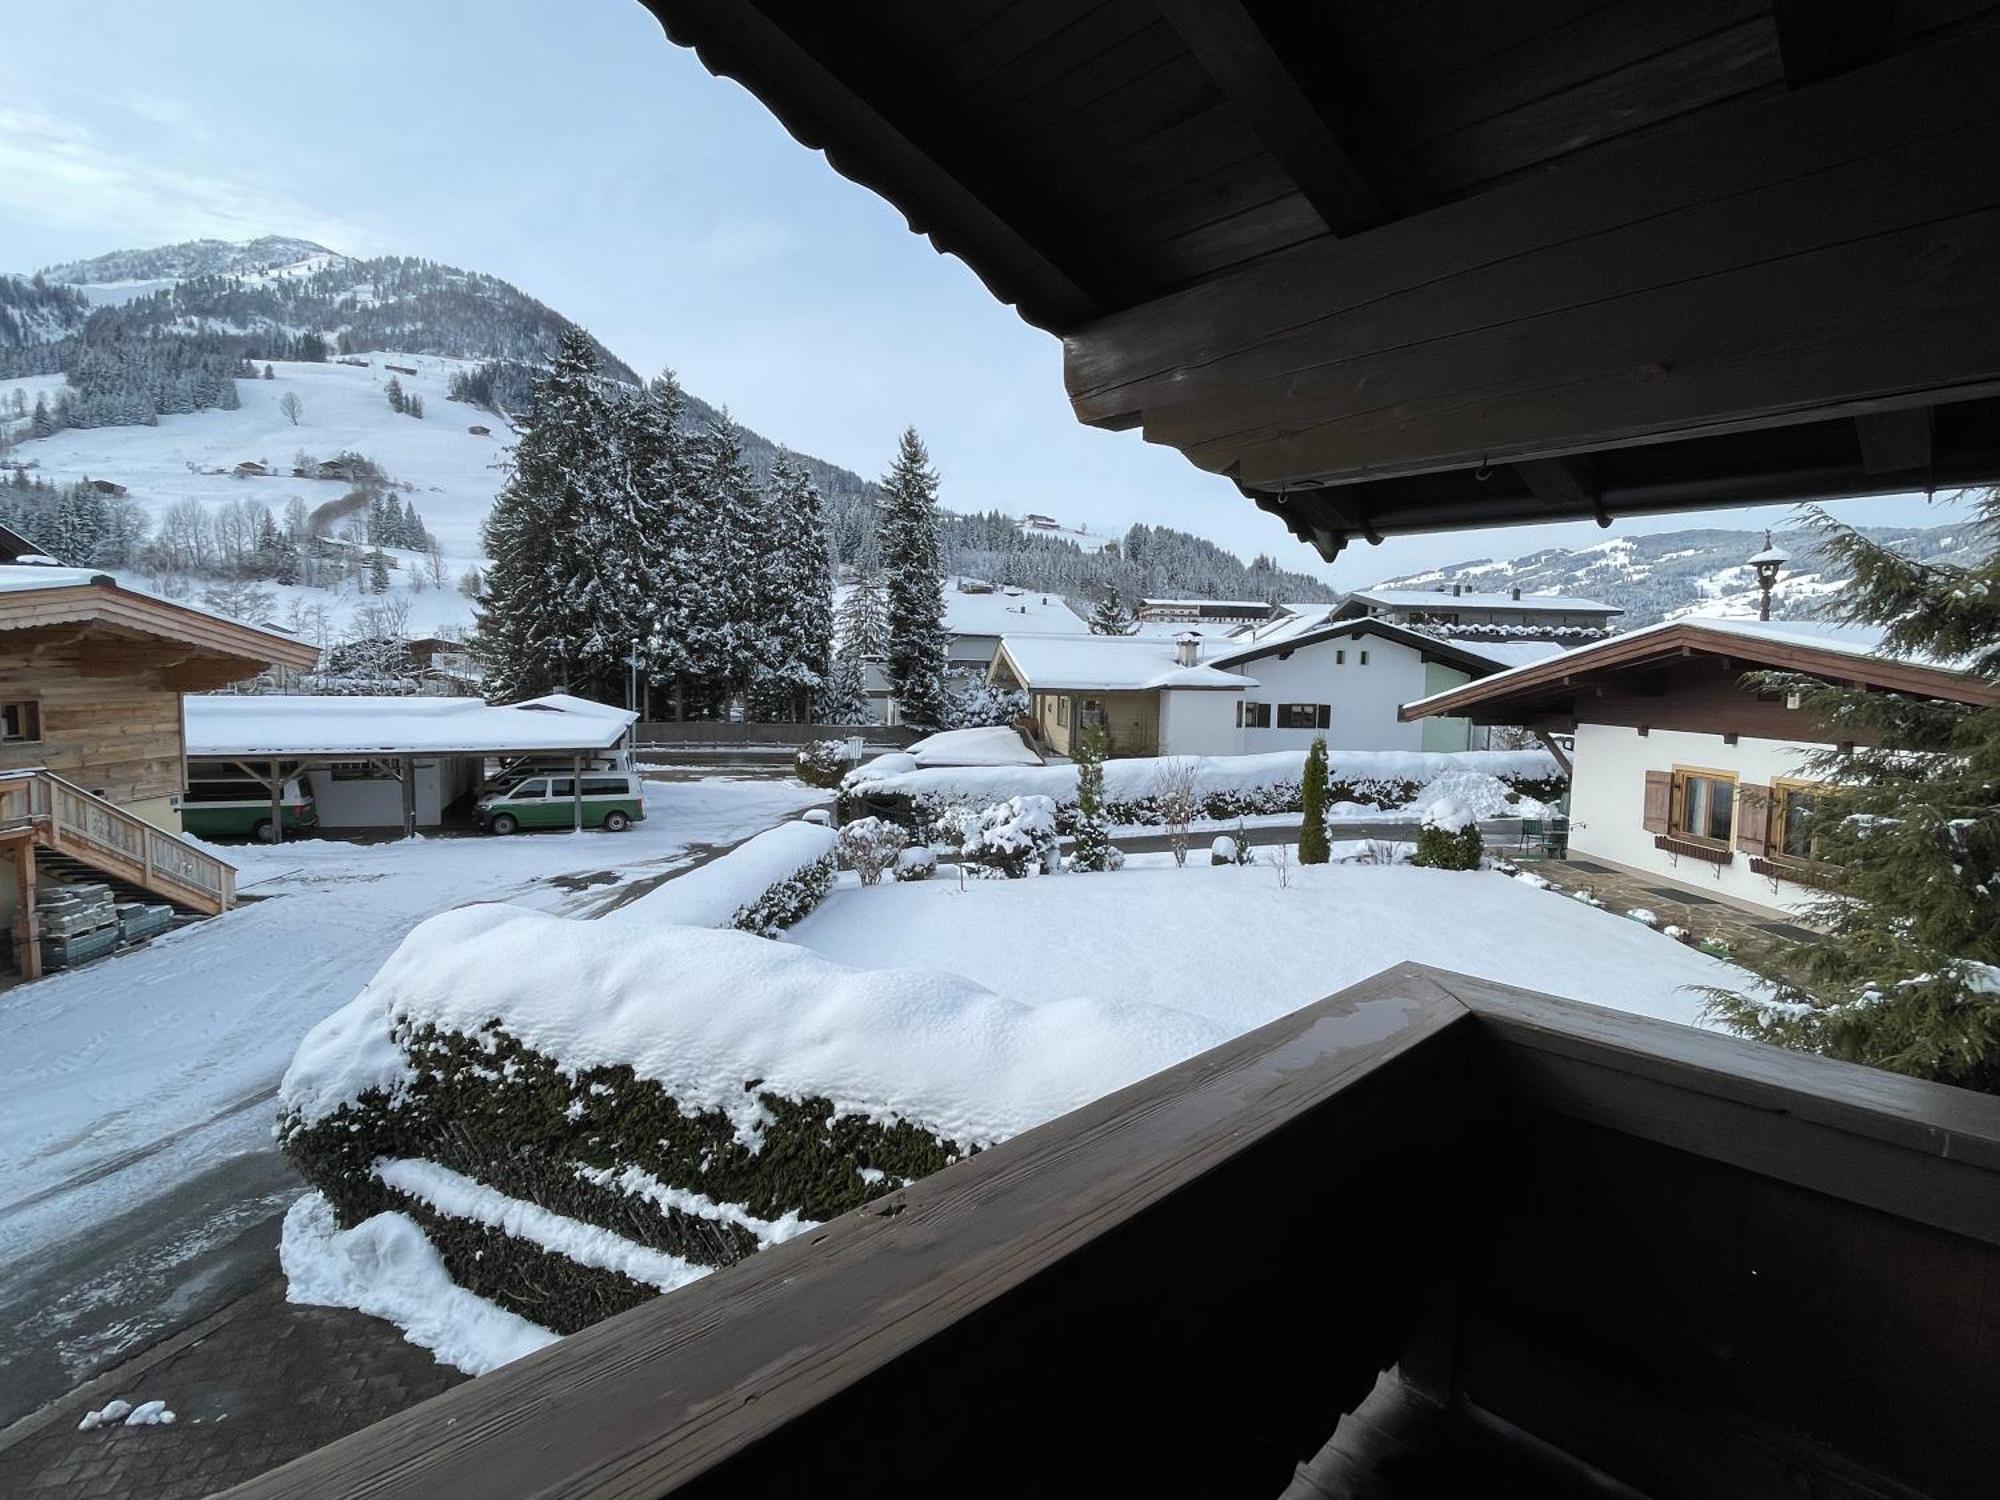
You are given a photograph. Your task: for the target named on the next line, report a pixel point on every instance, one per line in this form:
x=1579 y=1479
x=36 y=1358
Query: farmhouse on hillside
x=1681 y=772
x=92 y=757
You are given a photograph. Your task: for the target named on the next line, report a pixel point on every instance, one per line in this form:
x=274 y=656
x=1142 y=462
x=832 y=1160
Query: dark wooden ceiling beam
x=1821 y=39
x=1895 y=442
x=1568 y=485
x=826 y=78
x=1233 y=49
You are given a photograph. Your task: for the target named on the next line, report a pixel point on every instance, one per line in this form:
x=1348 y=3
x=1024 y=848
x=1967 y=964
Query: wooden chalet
x=1389 y=266
x=92 y=753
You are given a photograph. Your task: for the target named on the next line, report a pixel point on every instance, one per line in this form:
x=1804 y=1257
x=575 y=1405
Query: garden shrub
x=868 y=846
x=822 y=763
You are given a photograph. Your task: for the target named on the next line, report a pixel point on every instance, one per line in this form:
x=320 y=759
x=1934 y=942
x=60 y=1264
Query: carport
x=275 y=737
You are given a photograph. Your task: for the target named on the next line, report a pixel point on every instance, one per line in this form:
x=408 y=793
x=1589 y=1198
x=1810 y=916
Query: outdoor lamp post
x=1767 y=563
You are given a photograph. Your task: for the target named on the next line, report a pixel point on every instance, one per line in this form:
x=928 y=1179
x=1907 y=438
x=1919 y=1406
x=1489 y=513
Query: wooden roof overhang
x=1548 y=694
x=1397 y=267
x=1619 y=1235
x=192 y=649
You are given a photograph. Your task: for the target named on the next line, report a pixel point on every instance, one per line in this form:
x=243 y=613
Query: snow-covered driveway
x=119 y=1080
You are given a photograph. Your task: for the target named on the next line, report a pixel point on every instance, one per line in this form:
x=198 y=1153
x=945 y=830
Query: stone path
x=252 y=1387
x=1749 y=936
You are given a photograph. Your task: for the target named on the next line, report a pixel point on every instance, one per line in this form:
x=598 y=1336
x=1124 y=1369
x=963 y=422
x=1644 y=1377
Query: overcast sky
x=568 y=147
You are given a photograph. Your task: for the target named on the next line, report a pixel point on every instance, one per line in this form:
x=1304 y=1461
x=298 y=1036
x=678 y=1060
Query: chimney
x=1187 y=649
x=1517 y=593
x=1457 y=589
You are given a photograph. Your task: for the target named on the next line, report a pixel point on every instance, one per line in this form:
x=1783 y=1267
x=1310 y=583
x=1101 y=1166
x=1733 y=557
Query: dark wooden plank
x=1568 y=485
x=1268 y=320
x=1083 y=45
x=649 y=1400
x=1920 y=1151
x=1416 y=43
x=1790 y=339
x=1707 y=71
x=1895 y=442
x=1229 y=44
x=1821 y=39
x=1229 y=241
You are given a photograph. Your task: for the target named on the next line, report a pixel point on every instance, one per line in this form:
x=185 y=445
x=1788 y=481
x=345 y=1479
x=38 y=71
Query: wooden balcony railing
x=1701 y=1265
x=75 y=822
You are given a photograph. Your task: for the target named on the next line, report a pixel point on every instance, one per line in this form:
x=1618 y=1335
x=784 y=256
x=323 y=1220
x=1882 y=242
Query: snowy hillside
x=1674 y=573
x=449 y=473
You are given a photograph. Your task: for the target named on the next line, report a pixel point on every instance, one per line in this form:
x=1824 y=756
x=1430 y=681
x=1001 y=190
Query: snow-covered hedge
x=1229 y=786
x=579 y=1115
x=764 y=884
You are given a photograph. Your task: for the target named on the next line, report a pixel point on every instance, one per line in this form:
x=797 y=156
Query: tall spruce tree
x=549 y=617
x=794 y=597
x=656 y=468
x=726 y=543
x=915 y=584
x=1906 y=821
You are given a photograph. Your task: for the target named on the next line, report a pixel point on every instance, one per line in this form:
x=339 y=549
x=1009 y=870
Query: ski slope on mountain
x=452 y=473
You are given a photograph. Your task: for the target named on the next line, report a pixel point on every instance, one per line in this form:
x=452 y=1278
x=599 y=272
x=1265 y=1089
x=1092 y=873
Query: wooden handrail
x=77 y=817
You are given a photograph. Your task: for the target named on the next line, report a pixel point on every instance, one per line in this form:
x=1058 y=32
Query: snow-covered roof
x=300 y=724
x=85 y=594
x=1862 y=642
x=1512 y=653
x=569 y=703
x=1245 y=606
x=16 y=577
x=1434 y=598
x=1008 y=610
x=1108 y=663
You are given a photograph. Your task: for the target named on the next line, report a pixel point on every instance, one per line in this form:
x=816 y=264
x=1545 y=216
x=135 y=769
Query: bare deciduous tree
x=1176 y=794
x=292 y=407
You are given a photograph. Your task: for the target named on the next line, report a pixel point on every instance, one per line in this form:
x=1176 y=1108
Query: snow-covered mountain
x=259 y=257
x=1672 y=573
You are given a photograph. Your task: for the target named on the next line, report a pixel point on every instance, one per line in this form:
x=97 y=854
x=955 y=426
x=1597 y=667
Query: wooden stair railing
x=66 y=818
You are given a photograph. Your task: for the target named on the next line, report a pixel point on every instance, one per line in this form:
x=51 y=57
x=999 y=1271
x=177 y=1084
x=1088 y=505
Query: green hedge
x=512 y=1118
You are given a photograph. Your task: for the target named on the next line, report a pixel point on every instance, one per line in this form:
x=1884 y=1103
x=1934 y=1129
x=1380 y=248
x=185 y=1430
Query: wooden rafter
x=1234 y=51
x=1821 y=39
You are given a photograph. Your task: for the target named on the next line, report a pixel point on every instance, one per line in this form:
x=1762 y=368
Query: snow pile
x=1228 y=785
x=145 y=1414
x=995 y=745
x=385 y=1267
x=700 y=1011
x=1458 y=797
x=755 y=886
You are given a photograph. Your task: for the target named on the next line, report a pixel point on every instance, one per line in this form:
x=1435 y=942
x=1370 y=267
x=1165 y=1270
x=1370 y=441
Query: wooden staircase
x=53 y=828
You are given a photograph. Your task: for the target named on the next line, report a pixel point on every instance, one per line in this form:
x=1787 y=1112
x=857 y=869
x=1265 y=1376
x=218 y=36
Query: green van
x=227 y=802
x=611 y=800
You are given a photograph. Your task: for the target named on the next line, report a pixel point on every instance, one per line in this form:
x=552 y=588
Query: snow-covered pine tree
x=726 y=541
x=915 y=584
x=547 y=621
x=794 y=598
x=378 y=572
x=656 y=468
x=395 y=394
x=1908 y=818
x=1110 y=617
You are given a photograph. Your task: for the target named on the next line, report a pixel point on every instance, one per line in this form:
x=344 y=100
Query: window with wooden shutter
x=1753 y=819
x=1659 y=805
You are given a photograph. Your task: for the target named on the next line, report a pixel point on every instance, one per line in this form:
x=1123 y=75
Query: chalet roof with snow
x=1466 y=599
x=1464 y=655
x=1009 y=610
x=35 y=596
x=1105 y=664
x=1558 y=686
x=297 y=724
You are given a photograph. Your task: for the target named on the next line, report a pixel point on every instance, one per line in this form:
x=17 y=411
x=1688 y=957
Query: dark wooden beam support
x=1568 y=485
x=1820 y=39
x=1236 y=54
x=1895 y=442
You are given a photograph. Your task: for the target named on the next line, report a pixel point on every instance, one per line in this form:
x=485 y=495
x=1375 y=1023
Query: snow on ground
x=124 y=1077
x=1229 y=945
x=345 y=408
x=385 y=1266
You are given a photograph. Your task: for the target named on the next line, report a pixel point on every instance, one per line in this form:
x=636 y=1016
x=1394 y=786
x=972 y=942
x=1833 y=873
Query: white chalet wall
x=1607 y=794
x=1201 y=721
x=1363 y=700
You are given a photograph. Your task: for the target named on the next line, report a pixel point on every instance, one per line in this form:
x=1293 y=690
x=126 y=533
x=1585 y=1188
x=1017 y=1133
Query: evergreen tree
x=41 y=424
x=269 y=373
x=413 y=406
x=794 y=597
x=378 y=572
x=847 y=692
x=1092 y=850
x=1907 y=822
x=1312 y=803
x=656 y=470
x=864 y=619
x=915 y=585
x=725 y=545
x=1110 y=617
x=397 y=402
x=562 y=608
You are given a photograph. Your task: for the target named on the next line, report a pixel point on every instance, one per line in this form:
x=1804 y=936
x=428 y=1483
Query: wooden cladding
x=1754 y=807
